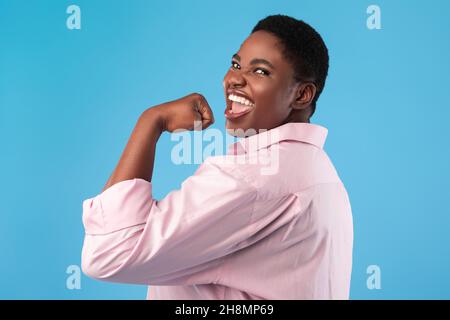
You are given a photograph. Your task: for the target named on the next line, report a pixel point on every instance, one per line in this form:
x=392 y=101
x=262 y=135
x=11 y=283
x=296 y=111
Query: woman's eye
x=234 y=65
x=263 y=72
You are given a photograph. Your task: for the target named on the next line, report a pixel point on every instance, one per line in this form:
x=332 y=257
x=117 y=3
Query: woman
x=234 y=230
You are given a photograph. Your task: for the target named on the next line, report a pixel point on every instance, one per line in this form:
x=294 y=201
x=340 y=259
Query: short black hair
x=303 y=47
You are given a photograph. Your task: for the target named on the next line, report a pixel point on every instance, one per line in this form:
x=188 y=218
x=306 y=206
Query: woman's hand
x=181 y=113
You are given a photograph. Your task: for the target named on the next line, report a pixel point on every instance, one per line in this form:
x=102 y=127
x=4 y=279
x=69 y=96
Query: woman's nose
x=234 y=79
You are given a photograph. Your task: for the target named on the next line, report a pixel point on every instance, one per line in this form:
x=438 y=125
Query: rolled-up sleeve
x=130 y=237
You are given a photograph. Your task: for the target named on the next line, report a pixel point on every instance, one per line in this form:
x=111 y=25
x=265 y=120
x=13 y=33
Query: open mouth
x=237 y=106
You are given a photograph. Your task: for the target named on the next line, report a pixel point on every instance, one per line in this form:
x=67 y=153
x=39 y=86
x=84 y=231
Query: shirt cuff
x=124 y=204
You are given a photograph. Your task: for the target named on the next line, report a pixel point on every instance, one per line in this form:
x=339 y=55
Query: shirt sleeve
x=130 y=237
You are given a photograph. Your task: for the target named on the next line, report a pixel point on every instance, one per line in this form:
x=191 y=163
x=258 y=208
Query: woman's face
x=260 y=73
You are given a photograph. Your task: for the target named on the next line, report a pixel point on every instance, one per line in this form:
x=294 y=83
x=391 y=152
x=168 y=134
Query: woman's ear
x=304 y=95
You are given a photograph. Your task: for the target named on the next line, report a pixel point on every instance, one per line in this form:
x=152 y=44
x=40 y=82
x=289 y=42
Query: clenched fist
x=181 y=113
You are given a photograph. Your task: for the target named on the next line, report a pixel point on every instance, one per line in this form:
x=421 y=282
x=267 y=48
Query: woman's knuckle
x=199 y=96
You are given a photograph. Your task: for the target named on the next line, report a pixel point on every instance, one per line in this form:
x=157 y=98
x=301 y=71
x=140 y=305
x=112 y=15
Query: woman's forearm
x=138 y=157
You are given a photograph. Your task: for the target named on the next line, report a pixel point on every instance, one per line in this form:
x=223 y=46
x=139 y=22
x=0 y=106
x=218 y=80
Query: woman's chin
x=232 y=128
x=237 y=130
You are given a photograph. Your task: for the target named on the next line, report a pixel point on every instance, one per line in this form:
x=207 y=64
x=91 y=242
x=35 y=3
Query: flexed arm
x=137 y=159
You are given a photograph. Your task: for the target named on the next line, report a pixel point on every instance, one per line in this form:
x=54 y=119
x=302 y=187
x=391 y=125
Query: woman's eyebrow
x=255 y=61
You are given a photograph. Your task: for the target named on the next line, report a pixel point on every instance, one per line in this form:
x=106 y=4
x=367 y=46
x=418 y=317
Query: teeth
x=241 y=100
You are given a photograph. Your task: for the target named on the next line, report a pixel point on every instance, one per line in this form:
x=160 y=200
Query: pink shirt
x=235 y=229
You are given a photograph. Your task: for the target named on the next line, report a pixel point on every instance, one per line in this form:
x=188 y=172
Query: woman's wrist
x=154 y=118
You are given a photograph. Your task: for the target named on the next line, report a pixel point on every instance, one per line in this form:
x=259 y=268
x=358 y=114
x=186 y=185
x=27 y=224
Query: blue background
x=70 y=98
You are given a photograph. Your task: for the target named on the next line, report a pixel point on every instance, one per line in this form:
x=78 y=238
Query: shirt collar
x=299 y=131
